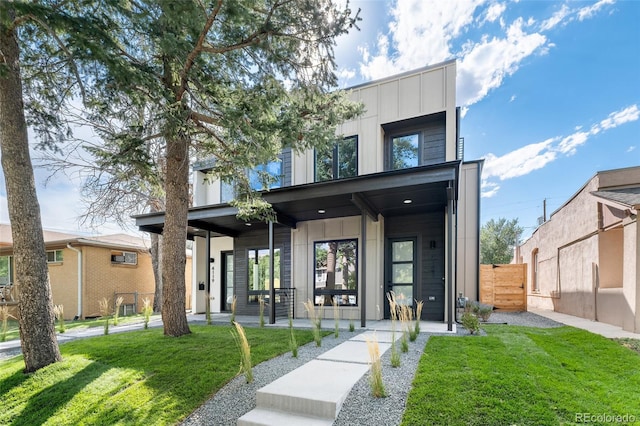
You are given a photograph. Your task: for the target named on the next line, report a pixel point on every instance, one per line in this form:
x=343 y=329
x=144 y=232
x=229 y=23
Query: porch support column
x=363 y=269
x=450 y=295
x=272 y=286
x=207 y=276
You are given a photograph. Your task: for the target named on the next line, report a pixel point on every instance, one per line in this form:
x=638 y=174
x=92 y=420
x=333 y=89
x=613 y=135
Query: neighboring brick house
x=83 y=270
x=392 y=206
x=585 y=260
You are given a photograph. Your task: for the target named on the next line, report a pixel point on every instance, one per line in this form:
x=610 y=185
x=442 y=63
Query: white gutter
x=79 y=315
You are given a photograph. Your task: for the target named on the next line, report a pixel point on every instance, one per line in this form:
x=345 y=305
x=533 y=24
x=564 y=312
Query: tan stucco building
x=585 y=261
x=392 y=206
x=83 y=270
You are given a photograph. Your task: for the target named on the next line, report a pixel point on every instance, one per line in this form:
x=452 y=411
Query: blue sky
x=550 y=92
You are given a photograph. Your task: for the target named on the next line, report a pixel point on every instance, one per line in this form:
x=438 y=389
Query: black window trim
x=354 y=292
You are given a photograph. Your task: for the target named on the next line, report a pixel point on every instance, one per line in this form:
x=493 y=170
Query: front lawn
x=134 y=378
x=524 y=376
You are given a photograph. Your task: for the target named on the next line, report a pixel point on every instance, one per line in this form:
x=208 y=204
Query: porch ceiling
x=380 y=193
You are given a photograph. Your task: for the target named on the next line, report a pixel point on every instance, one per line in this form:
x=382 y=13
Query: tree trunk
x=174 y=237
x=156 y=262
x=37 y=327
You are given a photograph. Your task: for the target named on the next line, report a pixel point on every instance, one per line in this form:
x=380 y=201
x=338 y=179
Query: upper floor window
x=124 y=257
x=262 y=177
x=54 y=256
x=405 y=151
x=337 y=161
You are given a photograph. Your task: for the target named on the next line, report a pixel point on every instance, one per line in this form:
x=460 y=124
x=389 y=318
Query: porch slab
x=352 y=352
x=263 y=417
x=380 y=336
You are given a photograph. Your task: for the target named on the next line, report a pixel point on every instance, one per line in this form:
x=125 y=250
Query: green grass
x=633 y=344
x=134 y=378
x=13 y=333
x=523 y=376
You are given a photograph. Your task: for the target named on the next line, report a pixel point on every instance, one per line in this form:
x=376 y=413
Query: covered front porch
x=353 y=209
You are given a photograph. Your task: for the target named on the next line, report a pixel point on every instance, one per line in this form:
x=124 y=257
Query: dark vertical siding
x=286 y=166
x=426 y=227
x=252 y=240
x=434 y=144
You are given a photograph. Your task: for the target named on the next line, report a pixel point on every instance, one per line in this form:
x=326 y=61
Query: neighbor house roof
x=629 y=197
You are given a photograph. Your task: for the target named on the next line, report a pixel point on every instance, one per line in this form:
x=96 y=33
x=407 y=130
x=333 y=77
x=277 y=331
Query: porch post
x=272 y=286
x=450 y=295
x=363 y=269
x=207 y=276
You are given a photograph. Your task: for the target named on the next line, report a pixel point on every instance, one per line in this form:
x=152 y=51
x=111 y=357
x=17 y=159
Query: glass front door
x=401 y=271
x=227 y=280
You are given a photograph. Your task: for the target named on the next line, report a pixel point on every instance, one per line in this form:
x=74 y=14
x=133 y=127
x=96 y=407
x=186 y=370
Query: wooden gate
x=504 y=286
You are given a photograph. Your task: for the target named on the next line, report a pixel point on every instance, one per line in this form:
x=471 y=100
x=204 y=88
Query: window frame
x=335 y=164
x=253 y=296
x=124 y=254
x=390 y=139
x=333 y=292
x=56 y=258
x=231 y=187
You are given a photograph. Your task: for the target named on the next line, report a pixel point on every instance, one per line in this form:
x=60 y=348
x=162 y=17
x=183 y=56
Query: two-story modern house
x=391 y=206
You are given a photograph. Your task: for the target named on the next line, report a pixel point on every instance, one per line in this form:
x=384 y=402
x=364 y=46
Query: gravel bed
x=360 y=408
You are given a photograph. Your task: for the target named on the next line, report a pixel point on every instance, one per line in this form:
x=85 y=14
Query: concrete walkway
x=604 y=329
x=313 y=393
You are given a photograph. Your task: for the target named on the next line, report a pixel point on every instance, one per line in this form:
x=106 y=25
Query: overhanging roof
x=377 y=194
x=623 y=197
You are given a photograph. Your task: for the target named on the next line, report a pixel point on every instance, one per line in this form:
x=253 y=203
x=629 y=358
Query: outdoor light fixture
x=248 y=224
x=408 y=201
x=322 y=211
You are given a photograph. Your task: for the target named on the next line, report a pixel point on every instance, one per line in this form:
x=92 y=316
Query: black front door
x=401 y=271
x=227 y=281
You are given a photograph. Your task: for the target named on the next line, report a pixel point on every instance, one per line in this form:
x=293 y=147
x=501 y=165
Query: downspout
x=79 y=252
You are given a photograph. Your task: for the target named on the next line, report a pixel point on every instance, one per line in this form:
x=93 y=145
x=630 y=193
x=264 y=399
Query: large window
x=258 y=267
x=54 y=256
x=337 y=161
x=405 y=151
x=262 y=177
x=6 y=270
x=336 y=272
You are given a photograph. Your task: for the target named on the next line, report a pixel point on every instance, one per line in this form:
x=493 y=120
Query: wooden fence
x=504 y=286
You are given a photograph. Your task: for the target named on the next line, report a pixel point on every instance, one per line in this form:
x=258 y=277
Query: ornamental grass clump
x=393 y=310
x=470 y=322
x=419 y=306
x=336 y=317
x=261 y=302
x=116 y=313
x=293 y=342
x=245 y=351
x=314 y=317
x=375 y=379
x=406 y=315
x=4 y=317
x=147 y=310
x=58 y=311
x=234 y=304
x=105 y=313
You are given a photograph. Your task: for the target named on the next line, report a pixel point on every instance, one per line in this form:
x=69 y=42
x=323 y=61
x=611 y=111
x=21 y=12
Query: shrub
x=484 y=311
x=470 y=322
x=245 y=351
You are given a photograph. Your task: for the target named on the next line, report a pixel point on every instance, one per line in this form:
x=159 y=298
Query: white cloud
x=589 y=11
x=617 y=118
x=556 y=18
x=631 y=148
x=512 y=98
x=495 y=11
x=529 y=158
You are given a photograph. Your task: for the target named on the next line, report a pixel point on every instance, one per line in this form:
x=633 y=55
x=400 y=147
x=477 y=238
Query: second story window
x=264 y=176
x=405 y=151
x=338 y=161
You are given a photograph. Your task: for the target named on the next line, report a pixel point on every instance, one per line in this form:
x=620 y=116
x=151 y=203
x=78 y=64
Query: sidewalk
x=604 y=329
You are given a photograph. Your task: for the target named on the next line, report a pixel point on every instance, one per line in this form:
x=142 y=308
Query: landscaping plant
x=314 y=317
x=393 y=310
x=261 y=301
x=4 y=317
x=419 y=305
x=245 y=351
x=104 y=312
x=484 y=311
x=58 y=311
x=470 y=322
x=116 y=313
x=375 y=379
x=293 y=343
x=234 y=304
x=336 y=315
x=147 y=310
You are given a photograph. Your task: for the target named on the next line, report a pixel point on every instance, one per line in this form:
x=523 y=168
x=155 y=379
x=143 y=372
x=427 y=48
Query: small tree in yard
x=497 y=240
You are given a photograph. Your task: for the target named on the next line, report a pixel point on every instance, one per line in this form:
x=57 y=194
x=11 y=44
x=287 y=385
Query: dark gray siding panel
x=431 y=261
x=286 y=166
x=434 y=144
x=252 y=240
